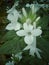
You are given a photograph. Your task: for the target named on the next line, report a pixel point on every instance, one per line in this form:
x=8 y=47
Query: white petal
x=27 y=27
x=39 y=50
x=39 y=27
x=16 y=13
x=38 y=55
x=28 y=39
x=13 y=7
x=32 y=51
x=13 y=16
x=19 y=55
x=17 y=26
x=27 y=5
x=34 y=42
x=10 y=10
x=10 y=17
x=21 y=33
x=37 y=32
x=10 y=26
x=28 y=21
x=27 y=47
x=34 y=25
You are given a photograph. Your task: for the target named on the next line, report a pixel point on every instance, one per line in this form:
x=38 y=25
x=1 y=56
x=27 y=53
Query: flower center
x=29 y=33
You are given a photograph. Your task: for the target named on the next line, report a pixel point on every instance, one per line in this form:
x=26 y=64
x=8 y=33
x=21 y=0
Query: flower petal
x=19 y=55
x=10 y=26
x=27 y=47
x=32 y=51
x=13 y=7
x=27 y=5
x=28 y=39
x=36 y=32
x=10 y=17
x=21 y=33
x=27 y=27
x=13 y=16
x=17 y=26
x=38 y=55
x=28 y=21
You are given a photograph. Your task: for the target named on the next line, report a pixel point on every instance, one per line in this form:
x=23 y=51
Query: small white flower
x=10 y=63
x=13 y=17
x=29 y=32
x=32 y=47
x=19 y=55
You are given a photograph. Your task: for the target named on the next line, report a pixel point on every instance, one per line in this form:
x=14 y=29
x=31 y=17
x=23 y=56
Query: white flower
x=29 y=32
x=19 y=55
x=10 y=63
x=13 y=17
x=32 y=47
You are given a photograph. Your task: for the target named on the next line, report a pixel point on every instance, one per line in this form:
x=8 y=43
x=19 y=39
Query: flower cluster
x=28 y=29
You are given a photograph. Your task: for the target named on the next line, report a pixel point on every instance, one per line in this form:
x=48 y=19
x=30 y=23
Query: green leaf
x=9 y=35
x=14 y=45
x=43 y=44
x=44 y=22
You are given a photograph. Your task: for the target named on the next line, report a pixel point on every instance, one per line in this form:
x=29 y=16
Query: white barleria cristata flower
x=29 y=32
x=13 y=17
x=10 y=63
x=32 y=46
